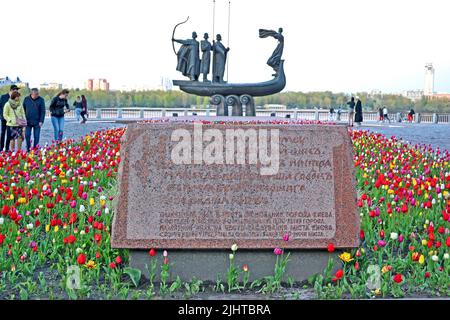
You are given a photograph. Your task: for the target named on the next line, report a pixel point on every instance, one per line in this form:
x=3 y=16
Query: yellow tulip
x=91 y=201
x=11 y=197
x=346 y=257
x=424 y=242
x=47 y=228
x=56 y=229
x=421 y=259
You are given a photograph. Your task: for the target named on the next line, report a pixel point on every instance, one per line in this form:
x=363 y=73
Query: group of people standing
x=29 y=115
x=355 y=112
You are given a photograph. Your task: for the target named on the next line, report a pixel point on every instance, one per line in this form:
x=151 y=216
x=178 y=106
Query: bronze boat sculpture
x=237 y=95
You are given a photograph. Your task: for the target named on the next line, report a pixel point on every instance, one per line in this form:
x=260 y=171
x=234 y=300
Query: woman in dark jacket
x=380 y=115
x=84 y=110
x=358 y=112
x=57 y=111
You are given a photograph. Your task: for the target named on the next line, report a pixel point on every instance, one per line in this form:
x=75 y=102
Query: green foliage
x=301 y=100
x=134 y=274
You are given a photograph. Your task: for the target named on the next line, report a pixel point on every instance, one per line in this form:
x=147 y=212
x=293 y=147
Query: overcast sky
x=342 y=46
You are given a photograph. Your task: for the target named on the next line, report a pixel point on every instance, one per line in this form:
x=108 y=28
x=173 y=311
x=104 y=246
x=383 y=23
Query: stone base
x=207 y=265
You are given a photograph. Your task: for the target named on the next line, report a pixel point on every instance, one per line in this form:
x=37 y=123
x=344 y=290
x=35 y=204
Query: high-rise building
x=428 y=90
x=97 y=85
x=90 y=84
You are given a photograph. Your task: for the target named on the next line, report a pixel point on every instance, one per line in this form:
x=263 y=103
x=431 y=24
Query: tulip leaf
x=134 y=274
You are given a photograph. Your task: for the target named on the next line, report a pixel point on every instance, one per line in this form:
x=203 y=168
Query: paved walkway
x=434 y=134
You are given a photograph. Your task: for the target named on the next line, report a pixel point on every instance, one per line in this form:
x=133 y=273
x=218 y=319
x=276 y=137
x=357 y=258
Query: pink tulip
x=286 y=237
x=400 y=238
x=278 y=251
x=381 y=243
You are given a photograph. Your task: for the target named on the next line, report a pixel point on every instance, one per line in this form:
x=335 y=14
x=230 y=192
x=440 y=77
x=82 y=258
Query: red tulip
x=398 y=278
x=152 y=252
x=330 y=247
x=338 y=275
x=5 y=210
x=98 y=237
x=118 y=260
x=81 y=258
x=112 y=265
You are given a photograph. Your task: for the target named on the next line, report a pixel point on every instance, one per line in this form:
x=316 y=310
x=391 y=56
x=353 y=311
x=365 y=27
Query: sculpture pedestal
x=238 y=105
x=210 y=265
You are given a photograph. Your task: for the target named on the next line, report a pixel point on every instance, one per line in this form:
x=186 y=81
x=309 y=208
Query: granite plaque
x=207 y=186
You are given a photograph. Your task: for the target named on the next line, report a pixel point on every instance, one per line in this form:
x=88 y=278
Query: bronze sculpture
x=238 y=96
x=275 y=58
x=205 y=63
x=219 y=59
x=188 y=57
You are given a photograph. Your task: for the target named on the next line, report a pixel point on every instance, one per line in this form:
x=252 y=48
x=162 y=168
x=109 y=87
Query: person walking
x=34 y=107
x=84 y=111
x=386 y=114
x=380 y=114
x=14 y=115
x=411 y=114
x=358 y=112
x=339 y=112
x=78 y=108
x=57 y=110
x=3 y=100
x=351 y=111
x=331 y=114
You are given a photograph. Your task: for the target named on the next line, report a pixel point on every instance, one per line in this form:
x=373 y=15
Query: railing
x=300 y=114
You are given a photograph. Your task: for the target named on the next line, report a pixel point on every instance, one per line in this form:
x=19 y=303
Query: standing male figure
x=189 y=57
x=219 y=59
x=206 y=48
x=34 y=107
x=3 y=100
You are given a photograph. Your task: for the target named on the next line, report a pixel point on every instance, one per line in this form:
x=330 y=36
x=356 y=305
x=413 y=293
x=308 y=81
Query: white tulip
x=2 y=220
x=394 y=236
x=435 y=258
x=446 y=256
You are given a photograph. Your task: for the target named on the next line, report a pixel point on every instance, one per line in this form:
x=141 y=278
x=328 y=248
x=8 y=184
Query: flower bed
x=56 y=213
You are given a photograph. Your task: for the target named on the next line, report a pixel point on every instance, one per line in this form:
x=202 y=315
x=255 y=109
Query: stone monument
x=196 y=188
